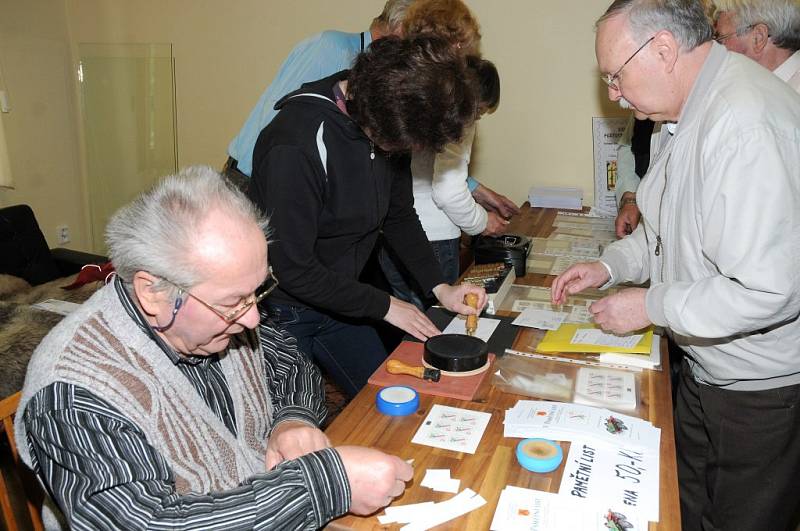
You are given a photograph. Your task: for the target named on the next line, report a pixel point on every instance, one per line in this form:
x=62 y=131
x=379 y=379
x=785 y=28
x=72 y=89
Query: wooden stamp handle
x=471 y=300
x=398 y=367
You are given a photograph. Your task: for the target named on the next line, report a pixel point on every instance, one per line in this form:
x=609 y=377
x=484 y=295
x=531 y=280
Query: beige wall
x=42 y=127
x=226 y=52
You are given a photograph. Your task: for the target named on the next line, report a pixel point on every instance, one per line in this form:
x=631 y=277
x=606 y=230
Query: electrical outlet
x=63 y=234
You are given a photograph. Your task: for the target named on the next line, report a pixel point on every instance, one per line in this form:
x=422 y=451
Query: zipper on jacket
x=371 y=150
x=659 y=243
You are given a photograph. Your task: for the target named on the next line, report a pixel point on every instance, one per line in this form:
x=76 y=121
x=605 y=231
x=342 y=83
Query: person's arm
x=449 y=189
x=290 y=189
x=751 y=235
x=494 y=203
x=104 y=475
x=297 y=395
x=294 y=381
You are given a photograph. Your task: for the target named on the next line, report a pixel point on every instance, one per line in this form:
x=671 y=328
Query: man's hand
x=622 y=312
x=495 y=225
x=375 y=478
x=628 y=215
x=291 y=439
x=494 y=202
x=452 y=298
x=409 y=318
x=576 y=279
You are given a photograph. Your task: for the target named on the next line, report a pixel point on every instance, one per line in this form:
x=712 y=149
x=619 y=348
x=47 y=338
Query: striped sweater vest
x=99 y=348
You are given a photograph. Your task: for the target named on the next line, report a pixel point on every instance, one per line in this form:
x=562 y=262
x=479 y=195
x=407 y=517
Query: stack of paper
x=556 y=197
x=651 y=360
x=534 y=510
x=561 y=421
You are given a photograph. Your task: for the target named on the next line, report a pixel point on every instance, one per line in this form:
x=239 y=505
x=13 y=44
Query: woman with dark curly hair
x=332 y=171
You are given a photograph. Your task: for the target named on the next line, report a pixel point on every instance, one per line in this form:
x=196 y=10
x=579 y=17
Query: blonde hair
x=449 y=19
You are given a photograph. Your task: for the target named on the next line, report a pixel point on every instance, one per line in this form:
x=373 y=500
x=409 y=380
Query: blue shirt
x=318 y=56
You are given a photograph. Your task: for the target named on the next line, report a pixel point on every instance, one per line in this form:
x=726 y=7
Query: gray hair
x=394 y=11
x=782 y=17
x=157 y=231
x=687 y=20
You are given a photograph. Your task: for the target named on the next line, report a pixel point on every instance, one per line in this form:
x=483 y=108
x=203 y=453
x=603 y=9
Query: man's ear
x=667 y=49
x=760 y=36
x=151 y=301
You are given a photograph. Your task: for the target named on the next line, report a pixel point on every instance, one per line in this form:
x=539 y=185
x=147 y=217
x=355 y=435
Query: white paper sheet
x=605 y=388
x=452 y=428
x=622 y=478
x=538 y=318
x=486 y=327
x=532 y=510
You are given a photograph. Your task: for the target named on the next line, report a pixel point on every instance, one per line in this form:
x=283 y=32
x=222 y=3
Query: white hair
x=782 y=17
x=393 y=14
x=156 y=232
x=687 y=20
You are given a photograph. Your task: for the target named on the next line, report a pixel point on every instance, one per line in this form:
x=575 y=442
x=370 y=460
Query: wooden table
x=493 y=466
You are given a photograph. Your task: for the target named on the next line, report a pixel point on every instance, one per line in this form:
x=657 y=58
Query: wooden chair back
x=19 y=476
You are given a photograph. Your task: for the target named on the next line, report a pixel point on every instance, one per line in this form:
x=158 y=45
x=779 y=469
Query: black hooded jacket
x=329 y=192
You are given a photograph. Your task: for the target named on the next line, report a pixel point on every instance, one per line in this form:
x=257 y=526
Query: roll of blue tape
x=397 y=400
x=539 y=455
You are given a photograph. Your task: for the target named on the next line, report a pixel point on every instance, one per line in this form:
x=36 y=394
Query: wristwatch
x=627 y=201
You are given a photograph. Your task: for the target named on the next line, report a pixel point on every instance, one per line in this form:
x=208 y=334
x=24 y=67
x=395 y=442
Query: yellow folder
x=560 y=340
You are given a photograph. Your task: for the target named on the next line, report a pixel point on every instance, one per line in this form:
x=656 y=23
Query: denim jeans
x=398 y=277
x=348 y=350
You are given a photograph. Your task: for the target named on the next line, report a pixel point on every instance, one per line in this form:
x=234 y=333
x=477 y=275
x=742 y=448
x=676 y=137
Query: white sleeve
x=449 y=187
x=751 y=234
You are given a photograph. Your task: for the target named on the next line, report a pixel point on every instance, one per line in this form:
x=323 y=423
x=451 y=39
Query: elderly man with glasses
x=164 y=401
x=766 y=31
x=719 y=243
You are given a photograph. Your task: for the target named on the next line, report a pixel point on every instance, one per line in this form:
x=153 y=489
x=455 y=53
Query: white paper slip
x=403 y=514
x=486 y=327
x=440 y=481
x=538 y=318
x=452 y=428
x=605 y=388
x=616 y=477
x=533 y=510
x=466 y=501
x=594 y=336
x=56 y=306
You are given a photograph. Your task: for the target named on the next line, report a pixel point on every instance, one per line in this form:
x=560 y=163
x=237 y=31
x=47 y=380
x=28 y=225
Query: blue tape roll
x=539 y=455
x=397 y=400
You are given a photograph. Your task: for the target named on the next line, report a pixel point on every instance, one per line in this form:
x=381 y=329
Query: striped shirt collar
x=137 y=317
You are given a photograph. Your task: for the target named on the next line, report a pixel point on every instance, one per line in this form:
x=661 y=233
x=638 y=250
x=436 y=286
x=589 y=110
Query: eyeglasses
x=725 y=36
x=229 y=316
x=611 y=79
